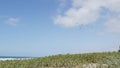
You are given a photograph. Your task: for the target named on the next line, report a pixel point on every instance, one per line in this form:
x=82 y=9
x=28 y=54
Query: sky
x=49 y=27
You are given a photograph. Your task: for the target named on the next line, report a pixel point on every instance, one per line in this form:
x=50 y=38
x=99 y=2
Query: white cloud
x=12 y=21
x=113 y=24
x=85 y=12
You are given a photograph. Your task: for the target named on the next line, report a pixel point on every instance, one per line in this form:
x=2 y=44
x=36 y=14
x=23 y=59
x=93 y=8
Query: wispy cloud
x=62 y=4
x=12 y=21
x=85 y=12
x=113 y=24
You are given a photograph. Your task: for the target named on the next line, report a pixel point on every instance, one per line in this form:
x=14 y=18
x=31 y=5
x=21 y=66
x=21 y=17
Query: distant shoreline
x=14 y=58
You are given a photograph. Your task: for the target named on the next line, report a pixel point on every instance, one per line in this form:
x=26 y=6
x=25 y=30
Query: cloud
x=85 y=12
x=12 y=21
x=62 y=4
x=113 y=24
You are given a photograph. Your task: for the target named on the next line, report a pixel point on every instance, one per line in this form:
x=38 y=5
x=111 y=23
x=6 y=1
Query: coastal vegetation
x=87 y=60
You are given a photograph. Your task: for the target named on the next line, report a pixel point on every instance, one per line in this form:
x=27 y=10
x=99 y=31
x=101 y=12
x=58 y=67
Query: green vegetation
x=106 y=59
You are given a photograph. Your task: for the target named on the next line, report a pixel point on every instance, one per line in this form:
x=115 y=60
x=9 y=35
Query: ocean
x=4 y=58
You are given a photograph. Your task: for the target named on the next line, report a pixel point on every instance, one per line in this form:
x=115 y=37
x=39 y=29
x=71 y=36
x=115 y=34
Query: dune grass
x=108 y=59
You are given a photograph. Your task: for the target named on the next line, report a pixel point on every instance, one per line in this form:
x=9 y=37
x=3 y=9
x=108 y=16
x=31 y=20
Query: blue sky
x=47 y=27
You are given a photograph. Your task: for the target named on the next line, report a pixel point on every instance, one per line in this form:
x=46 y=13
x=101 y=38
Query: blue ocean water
x=3 y=58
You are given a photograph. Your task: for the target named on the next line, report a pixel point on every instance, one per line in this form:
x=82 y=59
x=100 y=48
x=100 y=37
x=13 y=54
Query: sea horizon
x=4 y=58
